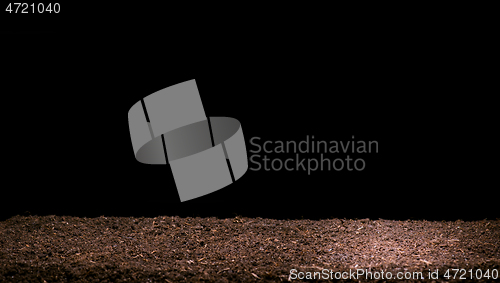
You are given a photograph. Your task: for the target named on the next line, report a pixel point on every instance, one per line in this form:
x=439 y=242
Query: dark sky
x=71 y=78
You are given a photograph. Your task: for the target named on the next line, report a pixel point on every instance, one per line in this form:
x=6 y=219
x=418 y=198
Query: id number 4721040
x=33 y=8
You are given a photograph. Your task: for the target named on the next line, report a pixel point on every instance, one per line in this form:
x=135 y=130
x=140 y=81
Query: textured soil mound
x=174 y=249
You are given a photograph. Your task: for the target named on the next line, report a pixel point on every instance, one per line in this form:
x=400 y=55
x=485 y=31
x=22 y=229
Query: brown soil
x=174 y=249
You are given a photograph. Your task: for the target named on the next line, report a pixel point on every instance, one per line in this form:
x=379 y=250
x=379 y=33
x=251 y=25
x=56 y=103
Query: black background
x=70 y=81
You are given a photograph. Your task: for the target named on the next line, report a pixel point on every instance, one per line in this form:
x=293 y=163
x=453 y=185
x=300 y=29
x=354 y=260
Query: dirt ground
x=174 y=249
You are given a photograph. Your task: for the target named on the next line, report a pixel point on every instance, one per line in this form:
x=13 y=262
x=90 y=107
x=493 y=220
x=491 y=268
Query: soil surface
x=174 y=249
